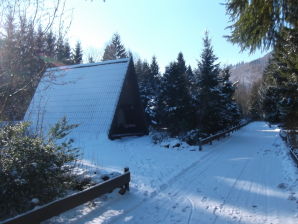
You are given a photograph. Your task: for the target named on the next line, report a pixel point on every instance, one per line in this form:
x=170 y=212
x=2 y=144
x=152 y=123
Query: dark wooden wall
x=129 y=118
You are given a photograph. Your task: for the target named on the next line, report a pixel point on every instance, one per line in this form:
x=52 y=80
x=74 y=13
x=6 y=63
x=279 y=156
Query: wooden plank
x=220 y=135
x=59 y=206
x=295 y=157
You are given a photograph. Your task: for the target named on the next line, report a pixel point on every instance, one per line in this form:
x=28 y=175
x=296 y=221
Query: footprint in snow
x=164 y=186
x=185 y=209
x=204 y=199
x=282 y=186
x=153 y=194
x=215 y=209
x=175 y=206
x=292 y=197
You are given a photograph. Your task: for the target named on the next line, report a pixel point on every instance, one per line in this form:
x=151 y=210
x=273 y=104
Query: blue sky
x=155 y=27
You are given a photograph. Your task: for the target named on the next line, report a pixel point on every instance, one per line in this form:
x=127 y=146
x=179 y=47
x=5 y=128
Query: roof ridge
x=108 y=62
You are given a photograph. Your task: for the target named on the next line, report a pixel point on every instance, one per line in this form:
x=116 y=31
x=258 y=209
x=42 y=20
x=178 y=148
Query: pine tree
x=90 y=59
x=63 y=52
x=265 y=24
x=144 y=83
x=174 y=109
x=59 y=51
x=153 y=85
x=254 y=106
x=40 y=42
x=21 y=67
x=50 y=45
x=209 y=108
x=67 y=53
x=280 y=89
x=230 y=112
x=114 y=50
x=77 y=56
x=259 y=24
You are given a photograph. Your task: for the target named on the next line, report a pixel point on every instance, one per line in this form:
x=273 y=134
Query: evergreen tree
x=67 y=53
x=40 y=42
x=280 y=89
x=21 y=67
x=114 y=50
x=50 y=45
x=60 y=50
x=77 y=56
x=174 y=103
x=154 y=69
x=63 y=52
x=209 y=108
x=255 y=107
x=230 y=110
x=190 y=76
x=144 y=76
x=265 y=24
x=90 y=59
x=153 y=86
x=259 y=24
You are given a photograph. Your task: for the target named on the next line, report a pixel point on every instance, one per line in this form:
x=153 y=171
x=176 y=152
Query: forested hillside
x=248 y=76
x=248 y=73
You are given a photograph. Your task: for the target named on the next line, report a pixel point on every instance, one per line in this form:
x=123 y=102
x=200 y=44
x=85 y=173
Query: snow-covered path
x=245 y=178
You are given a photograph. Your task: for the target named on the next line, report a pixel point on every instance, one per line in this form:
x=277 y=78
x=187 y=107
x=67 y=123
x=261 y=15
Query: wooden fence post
x=126 y=169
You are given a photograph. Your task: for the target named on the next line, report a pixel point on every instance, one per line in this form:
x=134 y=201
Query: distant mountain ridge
x=248 y=73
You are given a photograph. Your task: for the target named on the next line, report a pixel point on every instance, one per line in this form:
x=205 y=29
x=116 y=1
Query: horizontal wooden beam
x=59 y=206
x=221 y=134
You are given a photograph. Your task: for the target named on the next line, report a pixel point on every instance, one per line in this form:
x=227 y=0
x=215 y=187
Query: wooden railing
x=59 y=206
x=220 y=135
x=285 y=135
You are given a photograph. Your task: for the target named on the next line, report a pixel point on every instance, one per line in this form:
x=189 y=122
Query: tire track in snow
x=230 y=191
x=191 y=211
x=175 y=180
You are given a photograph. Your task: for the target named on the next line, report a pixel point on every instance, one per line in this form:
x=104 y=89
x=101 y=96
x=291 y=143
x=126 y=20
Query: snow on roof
x=87 y=94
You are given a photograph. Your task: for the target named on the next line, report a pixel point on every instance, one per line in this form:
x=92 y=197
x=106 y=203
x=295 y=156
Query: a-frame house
x=103 y=98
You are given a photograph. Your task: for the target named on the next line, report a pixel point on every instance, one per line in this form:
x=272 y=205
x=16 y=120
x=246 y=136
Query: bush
x=159 y=137
x=193 y=137
x=34 y=169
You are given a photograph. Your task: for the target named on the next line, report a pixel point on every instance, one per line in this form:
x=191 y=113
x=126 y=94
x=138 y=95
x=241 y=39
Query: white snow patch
x=235 y=180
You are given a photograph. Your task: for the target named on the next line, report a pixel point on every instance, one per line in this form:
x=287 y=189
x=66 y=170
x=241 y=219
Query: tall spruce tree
x=154 y=85
x=259 y=24
x=59 y=51
x=148 y=80
x=90 y=59
x=77 y=56
x=174 y=102
x=50 y=50
x=280 y=88
x=144 y=77
x=115 y=49
x=230 y=110
x=21 y=66
x=67 y=53
x=26 y=50
x=209 y=108
x=254 y=103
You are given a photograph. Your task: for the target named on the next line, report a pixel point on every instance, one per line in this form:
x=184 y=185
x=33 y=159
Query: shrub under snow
x=34 y=169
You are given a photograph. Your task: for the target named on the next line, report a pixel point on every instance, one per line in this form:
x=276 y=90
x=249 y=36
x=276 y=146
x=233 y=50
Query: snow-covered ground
x=245 y=178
